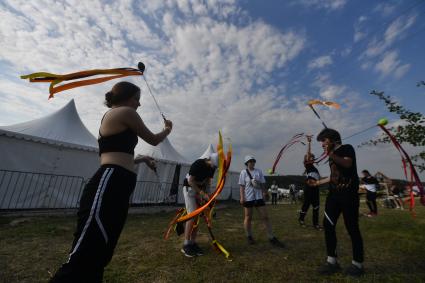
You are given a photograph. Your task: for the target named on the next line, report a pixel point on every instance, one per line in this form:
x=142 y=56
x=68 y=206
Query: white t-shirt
x=251 y=192
x=274 y=189
x=370 y=187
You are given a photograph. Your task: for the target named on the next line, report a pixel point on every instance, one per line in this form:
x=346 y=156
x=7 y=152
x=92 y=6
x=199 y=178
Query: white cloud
x=327 y=89
x=329 y=5
x=320 y=62
x=391 y=65
x=395 y=31
x=202 y=68
x=209 y=65
x=359 y=34
x=378 y=52
x=385 y=9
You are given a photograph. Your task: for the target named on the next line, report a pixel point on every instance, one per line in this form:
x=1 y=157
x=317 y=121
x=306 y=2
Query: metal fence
x=149 y=193
x=30 y=190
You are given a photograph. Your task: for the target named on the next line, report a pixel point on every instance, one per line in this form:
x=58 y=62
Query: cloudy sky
x=245 y=67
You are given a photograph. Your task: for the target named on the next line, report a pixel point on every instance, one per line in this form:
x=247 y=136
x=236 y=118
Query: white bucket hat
x=214 y=159
x=248 y=158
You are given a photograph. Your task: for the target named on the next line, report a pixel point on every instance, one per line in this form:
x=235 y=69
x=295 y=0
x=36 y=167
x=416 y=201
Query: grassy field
x=394 y=248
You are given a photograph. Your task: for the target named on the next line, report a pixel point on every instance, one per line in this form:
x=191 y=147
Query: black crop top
x=124 y=141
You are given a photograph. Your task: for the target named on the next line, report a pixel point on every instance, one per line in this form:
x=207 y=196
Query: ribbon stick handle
x=141 y=66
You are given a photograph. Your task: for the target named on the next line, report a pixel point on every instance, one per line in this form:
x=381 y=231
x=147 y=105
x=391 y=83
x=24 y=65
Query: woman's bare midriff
x=122 y=159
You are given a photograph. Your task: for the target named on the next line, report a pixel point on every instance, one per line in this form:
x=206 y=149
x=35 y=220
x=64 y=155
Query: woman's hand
x=168 y=125
x=149 y=161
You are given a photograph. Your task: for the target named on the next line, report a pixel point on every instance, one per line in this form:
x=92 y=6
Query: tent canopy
x=63 y=127
x=163 y=151
x=208 y=151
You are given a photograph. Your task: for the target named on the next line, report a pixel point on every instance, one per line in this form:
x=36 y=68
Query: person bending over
x=195 y=190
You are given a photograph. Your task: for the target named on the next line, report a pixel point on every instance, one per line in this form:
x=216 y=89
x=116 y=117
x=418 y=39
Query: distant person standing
x=274 y=191
x=293 y=193
x=311 y=190
x=342 y=198
x=398 y=195
x=252 y=193
x=371 y=184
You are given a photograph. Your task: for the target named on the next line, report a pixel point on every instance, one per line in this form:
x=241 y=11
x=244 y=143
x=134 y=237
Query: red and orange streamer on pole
x=414 y=177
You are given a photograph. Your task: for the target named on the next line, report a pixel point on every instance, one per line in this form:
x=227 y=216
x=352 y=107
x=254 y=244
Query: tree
x=412 y=131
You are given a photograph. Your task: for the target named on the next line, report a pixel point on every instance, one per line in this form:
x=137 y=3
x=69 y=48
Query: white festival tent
x=57 y=145
x=45 y=160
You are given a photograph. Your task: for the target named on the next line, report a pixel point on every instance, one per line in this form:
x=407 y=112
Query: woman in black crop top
x=105 y=199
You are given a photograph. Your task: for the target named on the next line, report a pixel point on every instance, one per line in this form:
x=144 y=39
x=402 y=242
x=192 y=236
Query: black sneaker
x=302 y=223
x=250 y=240
x=275 y=242
x=354 y=271
x=329 y=268
x=318 y=227
x=197 y=249
x=188 y=251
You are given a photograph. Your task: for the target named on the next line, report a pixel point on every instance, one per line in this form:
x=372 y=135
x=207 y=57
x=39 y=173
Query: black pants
x=311 y=197
x=274 y=198
x=101 y=217
x=346 y=203
x=371 y=201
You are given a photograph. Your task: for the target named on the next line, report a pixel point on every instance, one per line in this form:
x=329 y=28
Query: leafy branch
x=411 y=132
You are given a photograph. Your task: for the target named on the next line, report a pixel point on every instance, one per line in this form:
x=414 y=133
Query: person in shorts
x=252 y=194
x=195 y=190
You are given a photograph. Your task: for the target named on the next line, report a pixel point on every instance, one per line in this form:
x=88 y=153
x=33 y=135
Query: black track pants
x=371 y=201
x=346 y=203
x=311 y=197
x=101 y=217
x=274 y=198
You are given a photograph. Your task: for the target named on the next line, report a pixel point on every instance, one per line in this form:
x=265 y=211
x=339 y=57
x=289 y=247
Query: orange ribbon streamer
x=56 y=79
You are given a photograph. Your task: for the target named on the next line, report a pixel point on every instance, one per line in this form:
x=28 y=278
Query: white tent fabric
x=40 y=157
x=163 y=151
x=46 y=161
x=208 y=151
x=63 y=127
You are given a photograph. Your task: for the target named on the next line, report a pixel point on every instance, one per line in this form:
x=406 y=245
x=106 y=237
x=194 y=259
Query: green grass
x=394 y=249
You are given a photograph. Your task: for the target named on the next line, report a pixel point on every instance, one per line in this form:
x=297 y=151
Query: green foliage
x=412 y=131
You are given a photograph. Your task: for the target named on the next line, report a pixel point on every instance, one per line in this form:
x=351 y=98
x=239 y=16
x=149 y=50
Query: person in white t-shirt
x=252 y=193
x=371 y=184
x=274 y=190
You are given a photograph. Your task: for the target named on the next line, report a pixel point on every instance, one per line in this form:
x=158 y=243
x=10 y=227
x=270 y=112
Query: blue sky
x=246 y=67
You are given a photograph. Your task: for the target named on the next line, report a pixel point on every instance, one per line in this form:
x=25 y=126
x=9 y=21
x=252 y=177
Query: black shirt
x=200 y=170
x=341 y=177
x=124 y=141
x=311 y=173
